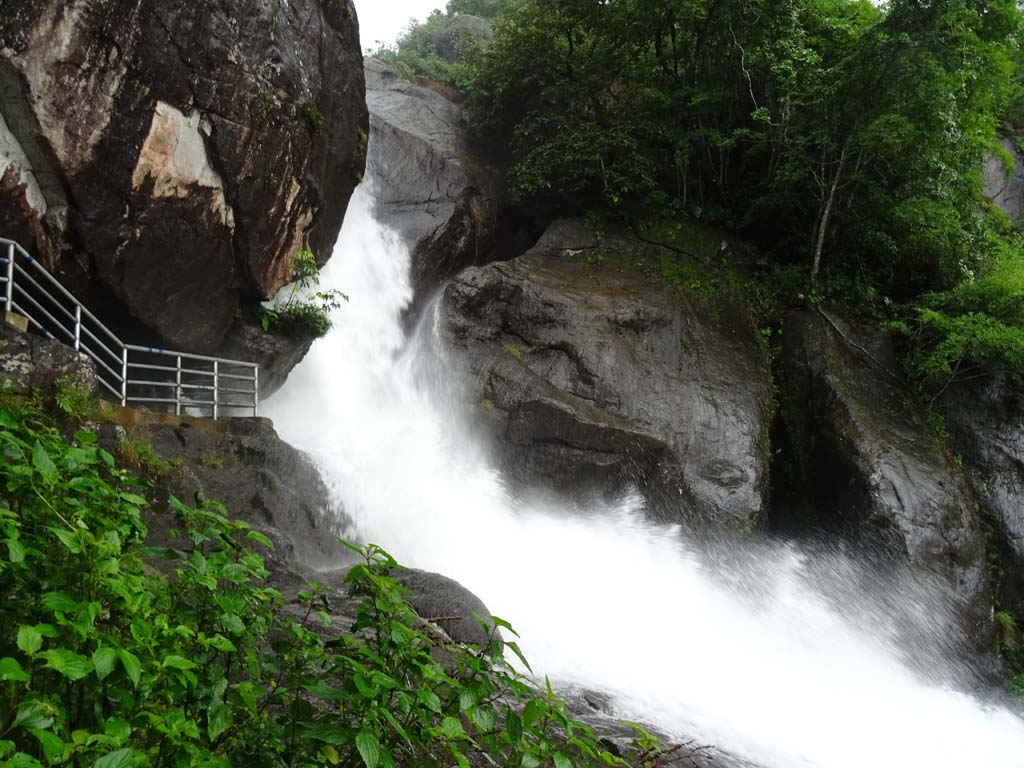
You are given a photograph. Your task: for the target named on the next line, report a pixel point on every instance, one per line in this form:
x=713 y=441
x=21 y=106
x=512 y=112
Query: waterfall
x=755 y=654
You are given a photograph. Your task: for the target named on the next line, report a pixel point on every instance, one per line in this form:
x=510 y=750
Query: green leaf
x=68 y=538
x=29 y=639
x=529 y=761
x=104 y=660
x=70 y=664
x=15 y=551
x=233 y=624
x=59 y=601
x=117 y=729
x=369 y=748
x=218 y=721
x=259 y=538
x=178 y=662
x=32 y=714
x=122 y=758
x=483 y=718
x=11 y=670
x=330 y=754
x=21 y=760
x=534 y=710
x=54 y=748
x=41 y=461
x=562 y=760
x=132 y=666
x=452 y=727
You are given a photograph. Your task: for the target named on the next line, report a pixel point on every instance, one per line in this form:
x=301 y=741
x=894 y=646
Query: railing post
x=177 y=389
x=9 y=298
x=256 y=391
x=78 y=327
x=124 y=376
x=216 y=386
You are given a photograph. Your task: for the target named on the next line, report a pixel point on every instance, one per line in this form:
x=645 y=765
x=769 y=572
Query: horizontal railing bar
x=19 y=271
x=131 y=399
x=106 y=349
x=172 y=369
x=59 y=287
x=187 y=356
x=208 y=374
x=31 y=319
x=41 y=308
x=115 y=374
x=137 y=383
x=237 y=378
x=185 y=401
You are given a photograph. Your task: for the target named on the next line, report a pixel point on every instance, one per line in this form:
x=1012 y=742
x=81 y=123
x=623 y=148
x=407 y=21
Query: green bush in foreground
x=106 y=661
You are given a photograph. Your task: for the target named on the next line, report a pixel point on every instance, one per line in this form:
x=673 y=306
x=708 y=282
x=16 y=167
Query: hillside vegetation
x=844 y=140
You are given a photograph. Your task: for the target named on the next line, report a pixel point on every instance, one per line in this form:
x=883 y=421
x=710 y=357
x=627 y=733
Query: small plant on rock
x=306 y=312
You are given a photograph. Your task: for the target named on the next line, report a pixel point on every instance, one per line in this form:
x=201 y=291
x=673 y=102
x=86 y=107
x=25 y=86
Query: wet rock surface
x=985 y=419
x=432 y=188
x=593 y=378
x=179 y=157
x=863 y=463
x=446 y=603
x=1003 y=181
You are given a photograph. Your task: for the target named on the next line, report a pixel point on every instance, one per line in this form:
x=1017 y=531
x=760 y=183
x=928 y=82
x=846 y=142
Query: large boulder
x=985 y=419
x=246 y=466
x=446 y=603
x=432 y=188
x=179 y=157
x=861 y=461
x=596 y=378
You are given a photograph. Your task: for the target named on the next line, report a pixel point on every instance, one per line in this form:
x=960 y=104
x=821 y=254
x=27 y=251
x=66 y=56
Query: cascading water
x=779 y=675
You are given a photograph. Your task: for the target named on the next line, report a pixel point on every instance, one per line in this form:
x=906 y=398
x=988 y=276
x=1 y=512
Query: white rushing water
x=606 y=600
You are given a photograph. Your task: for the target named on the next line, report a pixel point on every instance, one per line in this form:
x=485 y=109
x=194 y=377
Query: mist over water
x=787 y=658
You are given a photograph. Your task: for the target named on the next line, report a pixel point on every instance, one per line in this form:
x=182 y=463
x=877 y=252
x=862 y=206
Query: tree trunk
x=823 y=226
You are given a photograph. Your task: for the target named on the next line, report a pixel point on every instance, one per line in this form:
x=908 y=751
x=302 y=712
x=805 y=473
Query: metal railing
x=128 y=373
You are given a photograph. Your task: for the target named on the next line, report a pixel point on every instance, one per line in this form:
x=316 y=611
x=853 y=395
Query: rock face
x=432 y=189
x=29 y=362
x=986 y=423
x=182 y=157
x=594 y=377
x=258 y=477
x=1004 y=187
x=864 y=462
x=447 y=603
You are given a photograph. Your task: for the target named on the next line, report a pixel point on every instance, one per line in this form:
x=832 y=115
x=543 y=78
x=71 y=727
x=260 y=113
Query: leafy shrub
x=976 y=327
x=106 y=661
x=308 y=316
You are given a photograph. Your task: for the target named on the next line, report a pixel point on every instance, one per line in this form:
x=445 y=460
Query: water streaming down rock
x=779 y=656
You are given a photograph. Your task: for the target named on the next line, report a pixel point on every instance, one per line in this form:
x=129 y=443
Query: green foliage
x=843 y=137
x=414 y=54
x=73 y=400
x=316 y=121
x=974 y=328
x=488 y=9
x=107 y=661
x=305 y=312
x=140 y=454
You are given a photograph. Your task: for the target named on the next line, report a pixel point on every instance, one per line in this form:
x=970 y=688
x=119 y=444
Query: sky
x=385 y=19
